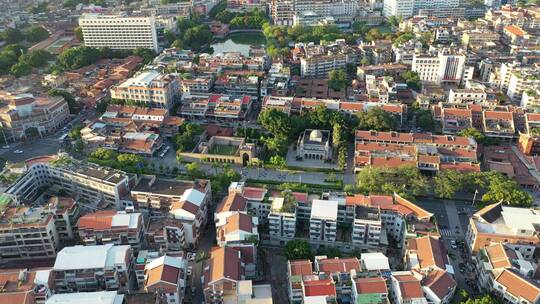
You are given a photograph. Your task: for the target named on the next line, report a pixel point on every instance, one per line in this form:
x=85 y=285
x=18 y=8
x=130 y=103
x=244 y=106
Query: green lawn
x=224 y=150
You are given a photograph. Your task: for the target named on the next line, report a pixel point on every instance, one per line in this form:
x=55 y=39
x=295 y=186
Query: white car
x=18 y=151
x=189 y=270
x=191 y=256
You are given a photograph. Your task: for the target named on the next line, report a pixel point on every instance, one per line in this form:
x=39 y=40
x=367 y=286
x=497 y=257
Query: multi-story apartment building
x=37 y=232
x=442 y=66
x=492 y=260
x=513 y=226
x=216 y=107
x=23 y=116
x=409 y=8
x=403 y=8
x=119 y=31
x=282 y=12
x=522 y=81
x=427 y=152
x=282 y=220
x=238 y=86
x=406 y=288
x=323 y=220
x=93 y=268
x=88 y=183
x=319 y=60
x=197 y=85
x=112 y=227
x=152 y=88
x=167 y=276
x=341 y=270
x=180 y=204
x=474 y=95
x=367 y=226
x=225 y=272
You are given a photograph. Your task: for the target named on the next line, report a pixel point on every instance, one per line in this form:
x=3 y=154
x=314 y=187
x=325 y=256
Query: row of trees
x=15 y=61
x=409 y=182
x=73 y=105
x=32 y=35
x=77 y=57
x=126 y=162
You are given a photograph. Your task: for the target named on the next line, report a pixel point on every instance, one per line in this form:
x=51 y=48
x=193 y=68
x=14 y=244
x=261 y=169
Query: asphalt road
x=453 y=227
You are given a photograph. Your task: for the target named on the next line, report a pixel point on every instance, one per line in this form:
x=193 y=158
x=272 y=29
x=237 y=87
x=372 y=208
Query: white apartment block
x=403 y=8
x=444 y=67
x=150 y=87
x=521 y=82
x=93 y=268
x=409 y=8
x=282 y=223
x=531 y=98
x=367 y=226
x=323 y=221
x=467 y=95
x=119 y=31
x=88 y=183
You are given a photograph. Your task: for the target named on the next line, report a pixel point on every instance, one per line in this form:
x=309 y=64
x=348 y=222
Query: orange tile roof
x=515 y=30
x=371 y=285
x=301 y=267
x=419 y=212
x=431 y=252
x=338 y=265
x=99 y=220
x=519 y=286
x=497 y=255
x=232 y=202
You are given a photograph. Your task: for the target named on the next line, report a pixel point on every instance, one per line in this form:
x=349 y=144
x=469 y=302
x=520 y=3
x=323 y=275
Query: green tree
x=276 y=122
x=37 y=58
x=12 y=35
x=75 y=132
x=278 y=161
x=73 y=104
x=342 y=157
x=20 y=69
x=36 y=34
x=404 y=180
x=78 y=146
x=194 y=170
x=104 y=154
x=78 y=33
x=298 y=250
x=337 y=79
x=412 y=79
x=376 y=119
x=506 y=190
x=425 y=120
x=147 y=54
x=447 y=183
x=474 y=133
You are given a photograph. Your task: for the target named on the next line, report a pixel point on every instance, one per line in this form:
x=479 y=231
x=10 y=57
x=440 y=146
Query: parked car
x=18 y=151
x=189 y=270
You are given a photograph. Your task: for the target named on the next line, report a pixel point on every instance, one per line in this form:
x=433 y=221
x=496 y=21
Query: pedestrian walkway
x=446 y=232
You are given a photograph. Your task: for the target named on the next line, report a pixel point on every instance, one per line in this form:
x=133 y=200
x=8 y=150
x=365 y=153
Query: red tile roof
x=338 y=265
x=319 y=288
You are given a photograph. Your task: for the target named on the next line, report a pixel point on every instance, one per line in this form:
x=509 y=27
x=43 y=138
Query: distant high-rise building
x=119 y=31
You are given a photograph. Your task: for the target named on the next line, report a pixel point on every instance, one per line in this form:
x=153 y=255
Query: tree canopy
x=404 y=180
x=298 y=250
x=337 y=80
x=376 y=119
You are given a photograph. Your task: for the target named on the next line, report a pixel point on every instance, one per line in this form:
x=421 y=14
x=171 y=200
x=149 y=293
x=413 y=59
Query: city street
x=452 y=217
